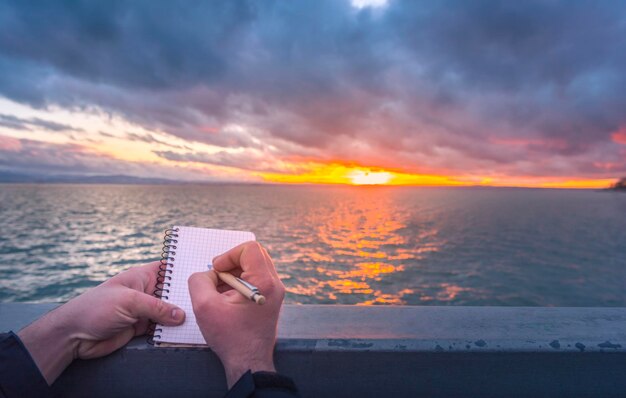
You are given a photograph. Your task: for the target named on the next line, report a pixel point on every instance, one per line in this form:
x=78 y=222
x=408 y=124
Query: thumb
x=147 y=306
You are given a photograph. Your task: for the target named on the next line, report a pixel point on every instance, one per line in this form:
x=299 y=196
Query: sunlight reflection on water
x=366 y=241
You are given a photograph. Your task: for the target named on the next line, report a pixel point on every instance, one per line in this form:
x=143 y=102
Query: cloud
x=619 y=136
x=50 y=159
x=454 y=86
x=46 y=158
x=9 y=144
x=34 y=123
x=241 y=160
x=149 y=139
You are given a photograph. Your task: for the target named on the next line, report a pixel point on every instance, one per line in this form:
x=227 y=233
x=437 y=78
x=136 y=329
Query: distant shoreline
x=263 y=184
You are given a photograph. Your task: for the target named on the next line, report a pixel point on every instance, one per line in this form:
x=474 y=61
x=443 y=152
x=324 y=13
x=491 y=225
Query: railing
x=350 y=351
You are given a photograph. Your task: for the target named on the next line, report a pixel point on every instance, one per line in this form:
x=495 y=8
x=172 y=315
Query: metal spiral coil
x=164 y=275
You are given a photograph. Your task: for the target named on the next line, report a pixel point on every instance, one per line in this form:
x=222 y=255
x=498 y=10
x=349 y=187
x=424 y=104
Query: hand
x=240 y=332
x=98 y=321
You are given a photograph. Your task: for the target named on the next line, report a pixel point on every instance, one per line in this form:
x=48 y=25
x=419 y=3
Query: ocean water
x=348 y=245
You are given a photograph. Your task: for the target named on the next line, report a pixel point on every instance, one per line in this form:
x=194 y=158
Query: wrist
x=51 y=343
x=235 y=369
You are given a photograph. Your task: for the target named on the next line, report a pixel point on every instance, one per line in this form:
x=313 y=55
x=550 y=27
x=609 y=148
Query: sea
x=359 y=245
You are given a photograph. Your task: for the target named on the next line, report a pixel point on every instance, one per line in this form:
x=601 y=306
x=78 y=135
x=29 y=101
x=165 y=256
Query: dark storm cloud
x=142 y=44
x=458 y=85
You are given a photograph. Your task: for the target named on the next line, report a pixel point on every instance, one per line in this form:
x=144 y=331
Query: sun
x=360 y=177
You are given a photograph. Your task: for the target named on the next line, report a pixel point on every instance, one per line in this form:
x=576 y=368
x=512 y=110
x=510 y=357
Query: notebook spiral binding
x=164 y=275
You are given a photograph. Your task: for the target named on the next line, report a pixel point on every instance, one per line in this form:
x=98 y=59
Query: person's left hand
x=98 y=321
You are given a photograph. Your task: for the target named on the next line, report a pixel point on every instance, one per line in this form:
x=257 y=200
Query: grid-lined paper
x=195 y=250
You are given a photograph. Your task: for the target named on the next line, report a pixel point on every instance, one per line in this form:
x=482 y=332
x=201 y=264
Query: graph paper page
x=195 y=250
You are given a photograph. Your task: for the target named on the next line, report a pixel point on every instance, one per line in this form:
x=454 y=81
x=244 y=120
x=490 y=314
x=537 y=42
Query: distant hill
x=10 y=177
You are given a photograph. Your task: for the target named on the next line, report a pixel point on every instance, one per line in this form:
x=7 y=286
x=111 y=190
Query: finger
x=236 y=272
x=270 y=263
x=279 y=282
x=143 y=305
x=223 y=287
x=148 y=275
x=141 y=278
x=247 y=256
x=203 y=289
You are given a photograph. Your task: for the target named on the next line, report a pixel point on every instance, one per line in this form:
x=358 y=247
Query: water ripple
x=349 y=245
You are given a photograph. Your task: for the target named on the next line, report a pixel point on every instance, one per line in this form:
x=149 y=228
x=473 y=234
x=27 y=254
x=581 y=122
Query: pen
x=246 y=289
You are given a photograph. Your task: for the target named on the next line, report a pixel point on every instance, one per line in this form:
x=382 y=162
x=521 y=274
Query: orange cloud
x=578 y=183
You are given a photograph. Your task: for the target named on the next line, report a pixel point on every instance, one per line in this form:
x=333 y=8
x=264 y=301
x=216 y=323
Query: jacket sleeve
x=19 y=375
x=263 y=385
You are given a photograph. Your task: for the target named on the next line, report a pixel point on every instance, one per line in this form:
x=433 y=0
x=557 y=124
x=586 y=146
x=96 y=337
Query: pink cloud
x=557 y=144
x=9 y=144
x=609 y=166
x=619 y=136
x=209 y=129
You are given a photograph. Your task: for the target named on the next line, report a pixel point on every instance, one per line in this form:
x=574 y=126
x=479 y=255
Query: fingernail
x=175 y=314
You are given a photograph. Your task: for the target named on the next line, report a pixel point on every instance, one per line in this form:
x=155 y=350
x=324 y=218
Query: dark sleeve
x=263 y=385
x=19 y=375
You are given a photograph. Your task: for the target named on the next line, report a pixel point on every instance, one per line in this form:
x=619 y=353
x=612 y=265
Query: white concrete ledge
x=378 y=351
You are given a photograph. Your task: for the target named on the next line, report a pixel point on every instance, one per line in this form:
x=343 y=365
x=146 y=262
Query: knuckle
x=265 y=285
x=131 y=296
x=131 y=300
x=281 y=286
x=272 y=287
x=254 y=246
x=158 y=306
x=267 y=254
x=133 y=271
x=193 y=279
x=280 y=290
x=145 y=271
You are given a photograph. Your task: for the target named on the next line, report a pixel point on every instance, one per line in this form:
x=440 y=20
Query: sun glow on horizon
x=341 y=174
x=360 y=177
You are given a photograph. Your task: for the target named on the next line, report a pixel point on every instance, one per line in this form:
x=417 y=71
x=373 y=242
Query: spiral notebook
x=187 y=250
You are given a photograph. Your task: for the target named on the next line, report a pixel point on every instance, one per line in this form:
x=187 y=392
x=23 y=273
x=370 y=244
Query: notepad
x=189 y=250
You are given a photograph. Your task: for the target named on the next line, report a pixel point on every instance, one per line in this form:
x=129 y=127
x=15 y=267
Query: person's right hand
x=241 y=332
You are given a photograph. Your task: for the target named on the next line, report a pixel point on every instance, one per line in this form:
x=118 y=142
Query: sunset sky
x=502 y=93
